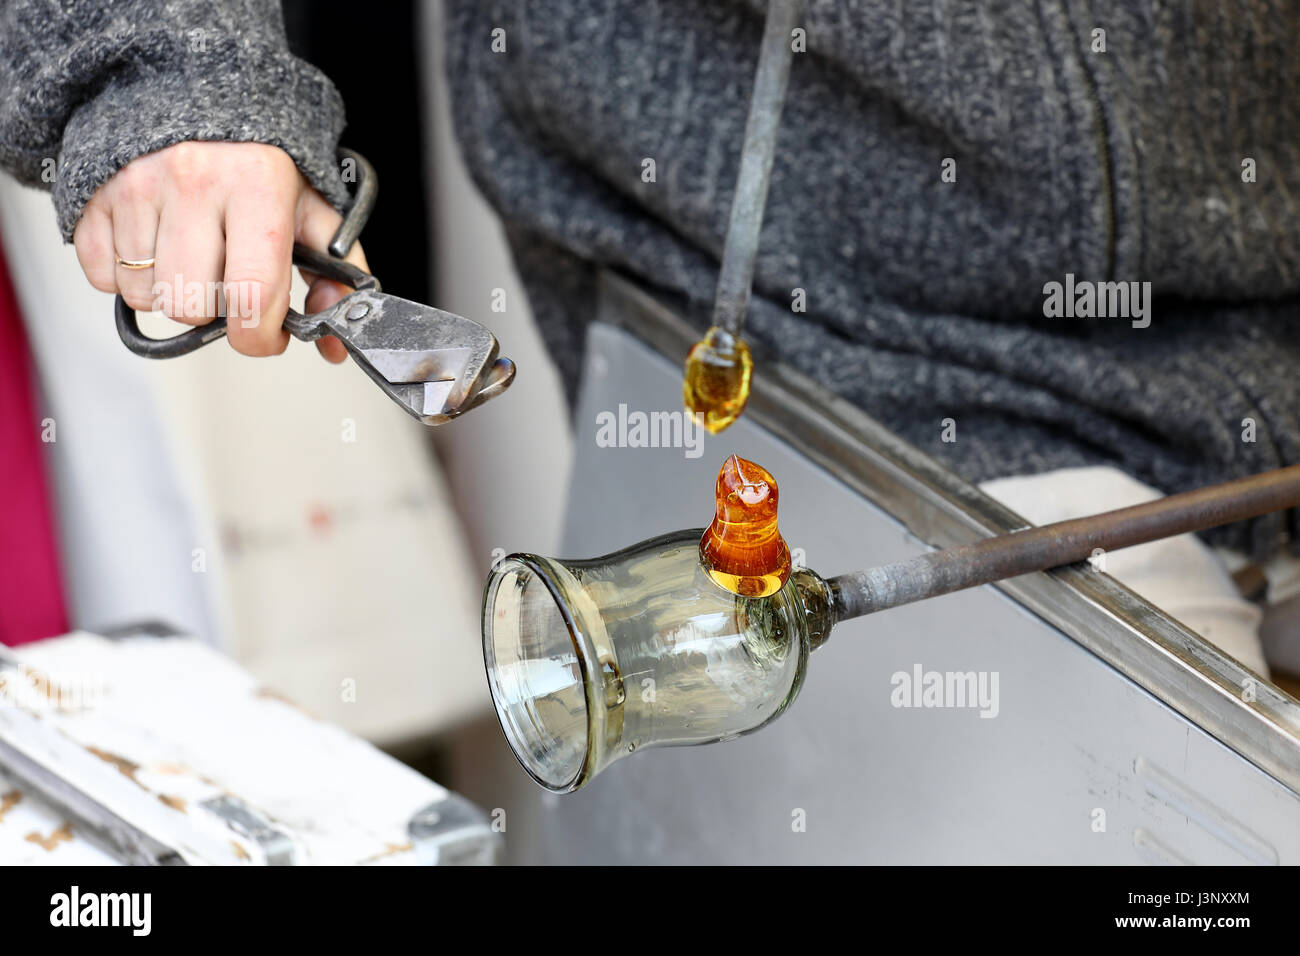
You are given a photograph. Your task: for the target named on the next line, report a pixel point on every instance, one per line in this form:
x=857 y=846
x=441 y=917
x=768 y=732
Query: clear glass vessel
x=589 y=661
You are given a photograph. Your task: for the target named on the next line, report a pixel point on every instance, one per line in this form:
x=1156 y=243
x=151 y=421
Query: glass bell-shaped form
x=589 y=661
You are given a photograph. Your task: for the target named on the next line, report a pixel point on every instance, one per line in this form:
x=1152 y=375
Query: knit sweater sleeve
x=86 y=86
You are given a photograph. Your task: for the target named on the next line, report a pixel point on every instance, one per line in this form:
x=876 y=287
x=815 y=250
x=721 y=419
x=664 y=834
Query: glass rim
x=545 y=570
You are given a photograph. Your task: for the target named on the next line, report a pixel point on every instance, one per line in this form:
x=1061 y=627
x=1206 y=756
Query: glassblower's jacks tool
x=434 y=364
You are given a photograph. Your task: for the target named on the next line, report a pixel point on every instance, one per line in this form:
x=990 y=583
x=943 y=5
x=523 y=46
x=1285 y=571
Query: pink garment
x=31 y=583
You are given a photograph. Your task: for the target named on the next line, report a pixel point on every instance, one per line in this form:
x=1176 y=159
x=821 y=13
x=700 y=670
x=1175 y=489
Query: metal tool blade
x=401 y=366
x=433 y=363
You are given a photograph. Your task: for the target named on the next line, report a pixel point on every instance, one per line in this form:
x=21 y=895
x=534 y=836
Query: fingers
x=331 y=349
x=221 y=219
x=323 y=292
x=93 y=240
x=191 y=257
x=259 y=226
x=135 y=236
x=317 y=223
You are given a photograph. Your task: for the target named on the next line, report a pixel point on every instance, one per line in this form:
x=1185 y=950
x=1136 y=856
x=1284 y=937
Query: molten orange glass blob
x=742 y=550
x=715 y=387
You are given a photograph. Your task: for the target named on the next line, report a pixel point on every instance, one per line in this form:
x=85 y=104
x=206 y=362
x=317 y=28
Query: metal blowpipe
x=1052 y=545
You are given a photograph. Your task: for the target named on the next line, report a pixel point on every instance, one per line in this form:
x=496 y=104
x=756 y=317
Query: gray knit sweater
x=924 y=297
x=88 y=85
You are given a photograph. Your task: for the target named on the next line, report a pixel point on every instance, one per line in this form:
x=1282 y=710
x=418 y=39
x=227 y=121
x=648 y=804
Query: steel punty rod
x=770 y=80
x=1053 y=545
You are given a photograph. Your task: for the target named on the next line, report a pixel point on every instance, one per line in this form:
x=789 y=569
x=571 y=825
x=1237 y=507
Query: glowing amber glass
x=716 y=384
x=742 y=550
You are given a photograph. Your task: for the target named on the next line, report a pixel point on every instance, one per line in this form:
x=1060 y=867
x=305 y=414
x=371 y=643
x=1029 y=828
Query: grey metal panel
x=1215 y=691
x=884 y=784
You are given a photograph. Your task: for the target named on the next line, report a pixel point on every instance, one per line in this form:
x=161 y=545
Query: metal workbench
x=1120 y=737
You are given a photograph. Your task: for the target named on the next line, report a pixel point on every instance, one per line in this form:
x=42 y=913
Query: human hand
x=219 y=221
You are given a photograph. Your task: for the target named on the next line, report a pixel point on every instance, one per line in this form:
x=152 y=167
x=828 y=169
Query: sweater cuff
x=231 y=91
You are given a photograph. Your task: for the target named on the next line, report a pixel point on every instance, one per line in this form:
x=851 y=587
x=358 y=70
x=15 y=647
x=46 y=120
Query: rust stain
x=8 y=801
x=50 y=843
x=38 y=682
x=176 y=803
x=240 y=851
x=126 y=767
x=42 y=683
x=390 y=849
x=172 y=769
x=266 y=693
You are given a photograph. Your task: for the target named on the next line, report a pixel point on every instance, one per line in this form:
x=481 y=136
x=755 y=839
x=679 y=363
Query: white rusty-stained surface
x=169 y=723
x=34 y=834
